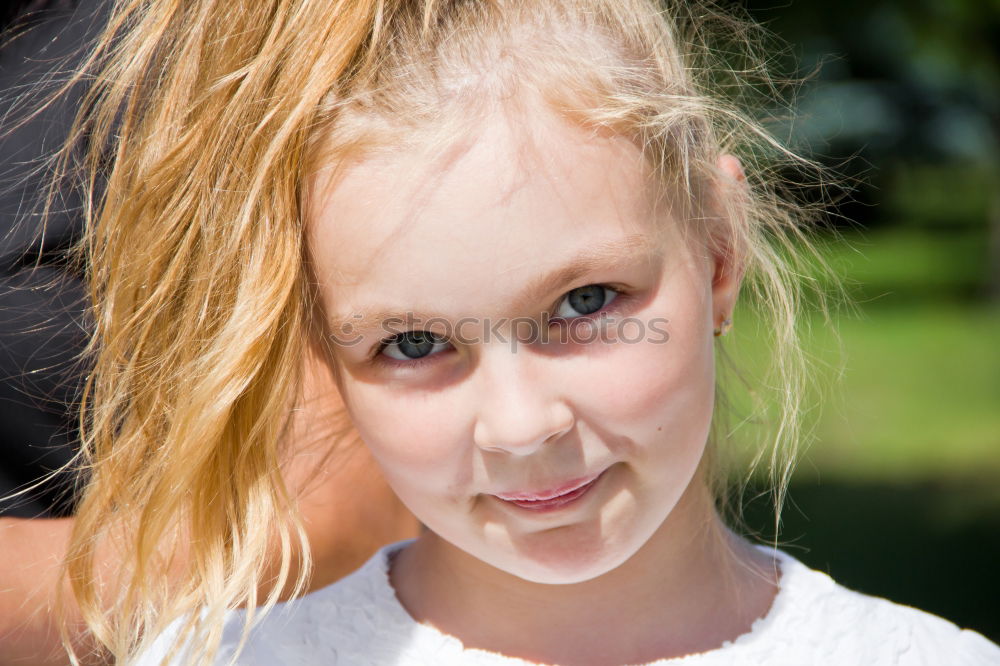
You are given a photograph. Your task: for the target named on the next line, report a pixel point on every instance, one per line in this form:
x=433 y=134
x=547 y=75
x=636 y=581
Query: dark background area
x=42 y=326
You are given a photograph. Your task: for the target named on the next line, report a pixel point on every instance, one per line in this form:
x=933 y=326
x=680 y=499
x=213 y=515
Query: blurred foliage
x=904 y=80
x=898 y=491
x=906 y=99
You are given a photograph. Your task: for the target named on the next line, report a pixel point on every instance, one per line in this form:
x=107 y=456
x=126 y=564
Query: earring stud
x=723 y=328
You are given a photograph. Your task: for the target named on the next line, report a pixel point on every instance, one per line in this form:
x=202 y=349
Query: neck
x=690 y=588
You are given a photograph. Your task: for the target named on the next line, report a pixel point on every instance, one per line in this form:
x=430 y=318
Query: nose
x=519 y=407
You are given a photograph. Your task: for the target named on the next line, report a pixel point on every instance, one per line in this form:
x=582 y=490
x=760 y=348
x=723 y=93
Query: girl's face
x=554 y=460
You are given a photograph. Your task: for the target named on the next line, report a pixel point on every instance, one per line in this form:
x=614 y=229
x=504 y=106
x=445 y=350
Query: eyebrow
x=619 y=252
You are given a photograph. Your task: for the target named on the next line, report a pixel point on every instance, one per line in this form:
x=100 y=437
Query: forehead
x=447 y=226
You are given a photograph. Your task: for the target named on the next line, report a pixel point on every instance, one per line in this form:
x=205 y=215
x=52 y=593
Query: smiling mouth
x=555 y=498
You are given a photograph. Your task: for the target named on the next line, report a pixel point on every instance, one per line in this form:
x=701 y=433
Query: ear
x=731 y=167
x=728 y=266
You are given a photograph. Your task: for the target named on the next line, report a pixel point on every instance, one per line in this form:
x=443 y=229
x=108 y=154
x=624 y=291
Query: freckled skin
x=478 y=419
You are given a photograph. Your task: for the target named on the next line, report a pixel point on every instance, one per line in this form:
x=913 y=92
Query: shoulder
x=355 y=617
x=831 y=624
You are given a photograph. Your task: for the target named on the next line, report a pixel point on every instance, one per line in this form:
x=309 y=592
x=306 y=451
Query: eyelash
x=621 y=297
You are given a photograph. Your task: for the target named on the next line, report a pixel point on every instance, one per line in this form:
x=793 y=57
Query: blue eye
x=413 y=345
x=584 y=301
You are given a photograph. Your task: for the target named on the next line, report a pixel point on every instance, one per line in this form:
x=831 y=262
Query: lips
x=558 y=491
x=553 y=498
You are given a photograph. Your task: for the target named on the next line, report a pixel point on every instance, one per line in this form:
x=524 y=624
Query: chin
x=564 y=559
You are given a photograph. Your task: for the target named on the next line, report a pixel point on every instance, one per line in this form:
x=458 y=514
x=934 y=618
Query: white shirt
x=358 y=621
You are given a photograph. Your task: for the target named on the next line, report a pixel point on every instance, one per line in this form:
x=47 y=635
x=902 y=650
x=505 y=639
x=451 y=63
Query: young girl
x=516 y=231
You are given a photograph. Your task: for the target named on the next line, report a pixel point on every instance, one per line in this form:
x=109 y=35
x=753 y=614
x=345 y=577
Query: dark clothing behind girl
x=42 y=328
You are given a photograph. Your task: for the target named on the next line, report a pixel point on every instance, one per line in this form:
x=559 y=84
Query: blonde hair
x=200 y=133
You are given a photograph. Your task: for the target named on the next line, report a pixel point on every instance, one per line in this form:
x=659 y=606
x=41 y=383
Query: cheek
x=409 y=434
x=668 y=385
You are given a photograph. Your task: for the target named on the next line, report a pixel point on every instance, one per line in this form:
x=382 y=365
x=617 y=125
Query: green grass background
x=898 y=492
